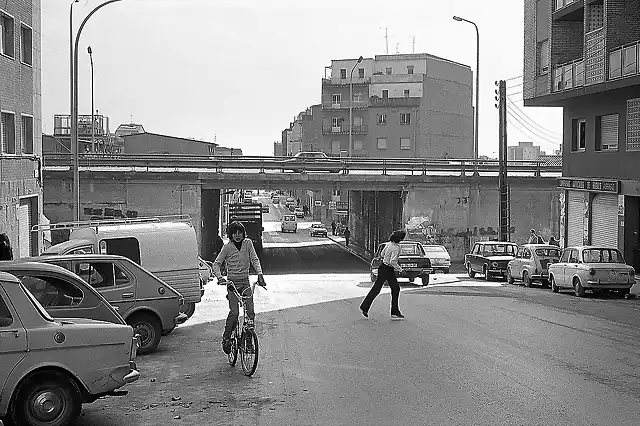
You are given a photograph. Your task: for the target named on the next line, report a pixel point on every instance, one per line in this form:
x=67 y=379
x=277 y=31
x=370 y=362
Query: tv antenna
x=397 y=48
x=386 y=40
x=414 y=44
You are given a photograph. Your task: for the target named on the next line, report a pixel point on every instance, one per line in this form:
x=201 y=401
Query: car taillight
x=592 y=271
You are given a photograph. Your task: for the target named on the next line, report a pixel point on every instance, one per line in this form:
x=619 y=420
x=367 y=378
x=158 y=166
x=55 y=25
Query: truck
x=250 y=214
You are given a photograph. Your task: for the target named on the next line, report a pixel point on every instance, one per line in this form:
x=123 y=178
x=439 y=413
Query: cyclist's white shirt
x=238 y=261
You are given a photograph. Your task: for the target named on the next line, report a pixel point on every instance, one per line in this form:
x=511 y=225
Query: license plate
x=410 y=265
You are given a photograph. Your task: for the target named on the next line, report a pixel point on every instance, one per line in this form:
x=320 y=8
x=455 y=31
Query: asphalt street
x=469 y=352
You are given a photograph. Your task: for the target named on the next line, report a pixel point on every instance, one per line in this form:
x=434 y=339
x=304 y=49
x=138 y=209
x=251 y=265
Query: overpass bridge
x=447 y=201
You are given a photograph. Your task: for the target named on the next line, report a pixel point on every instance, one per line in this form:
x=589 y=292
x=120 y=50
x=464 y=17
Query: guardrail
x=343 y=164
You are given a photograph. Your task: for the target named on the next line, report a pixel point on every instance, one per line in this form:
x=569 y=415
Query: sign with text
x=596 y=185
x=332 y=205
x=318 y=203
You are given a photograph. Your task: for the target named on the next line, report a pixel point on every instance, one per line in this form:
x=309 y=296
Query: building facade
x=583 y=55
x=153 y=143
x=97 y=139
x=524 y=151
x=20 y=125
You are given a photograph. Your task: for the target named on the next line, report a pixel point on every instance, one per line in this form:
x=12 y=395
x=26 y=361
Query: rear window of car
x=289 y=218
x=317 y=225
x=602 y=256
x=411 y=249
x=548 y=252
x=499 y=249
x=434 y=249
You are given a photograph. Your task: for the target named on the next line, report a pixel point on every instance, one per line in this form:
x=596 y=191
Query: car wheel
x=525 y=279
x=470 y=271
x=373 y=277
x=554 y=287
x=45 y=398
x=577 y=288
x=425 y=280
x=188 y=308
x=509 y=276
x=148 y=328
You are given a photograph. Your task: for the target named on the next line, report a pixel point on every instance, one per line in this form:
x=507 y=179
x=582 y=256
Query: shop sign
x=596 y=185
x=318 y=203
x=332 y=205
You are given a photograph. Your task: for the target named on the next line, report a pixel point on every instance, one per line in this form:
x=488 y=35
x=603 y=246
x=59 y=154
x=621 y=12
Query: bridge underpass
x=453 y=209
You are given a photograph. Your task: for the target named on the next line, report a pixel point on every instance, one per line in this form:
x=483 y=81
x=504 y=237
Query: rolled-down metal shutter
x=609 y=132
x=575 y=219
x=24 y=228
x=604 y=220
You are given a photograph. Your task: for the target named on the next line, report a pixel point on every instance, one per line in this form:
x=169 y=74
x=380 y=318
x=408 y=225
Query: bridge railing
x=344 y=165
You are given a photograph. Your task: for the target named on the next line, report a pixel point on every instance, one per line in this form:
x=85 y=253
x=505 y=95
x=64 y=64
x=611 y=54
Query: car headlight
x=494 y=265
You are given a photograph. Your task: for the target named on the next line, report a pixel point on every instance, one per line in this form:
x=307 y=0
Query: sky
x=240 y=72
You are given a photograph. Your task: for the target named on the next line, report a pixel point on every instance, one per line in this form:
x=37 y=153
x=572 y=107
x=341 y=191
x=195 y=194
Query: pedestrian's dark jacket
x=6 y=252
x=347 y=233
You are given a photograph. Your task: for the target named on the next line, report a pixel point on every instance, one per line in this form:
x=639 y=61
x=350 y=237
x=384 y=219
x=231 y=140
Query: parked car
x=147 y=303
x=531 y=264
x=490 y=258
x=413 y=260
x=265 y=208
x=317 y=230
x=439 y=257
x=276 y=199
x=299 y=212
x=289 y=223
x=593 y=268
x=51 y=367
x=313 y=161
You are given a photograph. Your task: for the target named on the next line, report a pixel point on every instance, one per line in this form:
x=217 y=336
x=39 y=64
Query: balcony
x=375 y=101
x=361 y=104
x=397 y=78
x=357 y=81
x=623 y=62
x=568 y=76
x=568 y=10
x=594 y=55
x=343 y=129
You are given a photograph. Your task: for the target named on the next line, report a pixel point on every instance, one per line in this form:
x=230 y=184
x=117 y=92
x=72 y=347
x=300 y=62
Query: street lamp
x=351 y=104
x=93 y=142
x=74 y=113
x=477 y=122
x=73 y=150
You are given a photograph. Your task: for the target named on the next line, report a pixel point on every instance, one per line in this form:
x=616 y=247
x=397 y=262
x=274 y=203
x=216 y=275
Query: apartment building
x=20 y=124
x=524 y=151
x=402 y=105
x=582 y=55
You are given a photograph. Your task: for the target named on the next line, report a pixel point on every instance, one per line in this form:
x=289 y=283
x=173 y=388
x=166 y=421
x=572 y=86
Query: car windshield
x=548 y=252
x=411 y=249
x=434 y=249
x=602 y=255
x=499 y=250
x=317 y=225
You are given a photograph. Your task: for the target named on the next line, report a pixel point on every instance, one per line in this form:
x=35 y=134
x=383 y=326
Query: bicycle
x=244 y=334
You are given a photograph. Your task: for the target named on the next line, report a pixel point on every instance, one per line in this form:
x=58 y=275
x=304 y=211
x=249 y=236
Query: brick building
x=20 y=124
x=583 y=55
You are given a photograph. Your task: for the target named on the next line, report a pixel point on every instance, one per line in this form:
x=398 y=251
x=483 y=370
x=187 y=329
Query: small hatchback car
x=50 y=367
x=531 y=264
x=490 y=258
x=289 y=223
x=317 y=230
x=413 y=260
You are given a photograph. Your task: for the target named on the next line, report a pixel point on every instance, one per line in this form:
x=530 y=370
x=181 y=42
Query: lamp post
x=73 y=150
x=93 y=133
x=74 y=113
x=475 y=127
x=351 y=104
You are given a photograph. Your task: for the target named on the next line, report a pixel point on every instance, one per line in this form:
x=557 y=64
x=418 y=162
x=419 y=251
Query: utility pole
x=504 y=214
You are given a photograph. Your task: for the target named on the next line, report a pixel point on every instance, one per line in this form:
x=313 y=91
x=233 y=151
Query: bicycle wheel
x=249 y=352
x=233 y=355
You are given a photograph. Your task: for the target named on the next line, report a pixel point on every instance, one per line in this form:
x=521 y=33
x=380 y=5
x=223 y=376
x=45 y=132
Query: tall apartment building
x=20 y=124
x=583 y=55
x=524 y=151
x=403 y=105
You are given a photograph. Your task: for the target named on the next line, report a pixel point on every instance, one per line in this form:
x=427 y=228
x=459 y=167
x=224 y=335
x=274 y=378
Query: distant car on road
x=413 y=260
x=317 y=230
x=595 y=268
x=265 y=208
x=276 y=199
x=490 y=258
x=299 y=212
x=313 y=161
x=439 y=257
x=531 y=264
x=289 y=223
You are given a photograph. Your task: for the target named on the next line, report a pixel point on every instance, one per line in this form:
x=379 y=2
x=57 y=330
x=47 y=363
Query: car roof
x=496 y=242
x=85 y=256
x=8 y=278
x=540 y=246
x=591 y=247
x=26 y=263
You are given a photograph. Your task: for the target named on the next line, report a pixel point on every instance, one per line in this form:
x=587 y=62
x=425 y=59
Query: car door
x=571 y=268
x=525 y=262
x=560 y=268
x=473 y=261
x=516 y=265
x=13 y=338
x=115 y=284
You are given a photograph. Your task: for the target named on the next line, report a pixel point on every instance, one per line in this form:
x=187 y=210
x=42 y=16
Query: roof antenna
x=397 y=46
x=414 y=44
x=386 y=39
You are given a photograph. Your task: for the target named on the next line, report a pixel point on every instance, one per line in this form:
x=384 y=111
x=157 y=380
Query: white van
x=289 y=223
x=167 y=249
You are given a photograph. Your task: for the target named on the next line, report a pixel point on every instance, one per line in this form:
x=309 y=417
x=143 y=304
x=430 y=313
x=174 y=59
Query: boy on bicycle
x=238 y=254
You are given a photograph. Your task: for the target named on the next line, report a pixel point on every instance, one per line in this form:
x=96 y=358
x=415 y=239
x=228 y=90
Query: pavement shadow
x=369 y=284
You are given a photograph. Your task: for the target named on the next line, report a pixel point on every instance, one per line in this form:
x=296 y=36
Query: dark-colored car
x=490 y=258
x=413 y=260
x=313 y=161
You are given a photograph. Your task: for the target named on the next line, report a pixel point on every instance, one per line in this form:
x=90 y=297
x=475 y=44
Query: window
x=389 y=71
x=565 y=256
x=573 y=257
x=27 y=134
x=126 y=247
x=361 y=72
x=526 y=254
x=405 y=118
x=406 y=93
x=629 y=56
x=336 y=122
x=26 y=45
x=578 y=135
x=615 y=64
x=357 y=145
x=543 y=57
x=52 y=292
x=121 y=277
x=382 y=119
x=405 y=143
x=602 y=256
x=5 y=316
x=409 y=69
x=357 y=97
x=343 y=73
x=6 y=31
x=607 y=133
x=357 y=122
x=385 y=94
x=8 y=133
x=96 y=274
x=336 y=98
x=519 y=253
x=382 y=143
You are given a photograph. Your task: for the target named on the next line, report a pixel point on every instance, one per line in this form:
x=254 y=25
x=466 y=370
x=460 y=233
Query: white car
x=289 y=223
x=439 y=257
x=584 y=268
x=317 y=229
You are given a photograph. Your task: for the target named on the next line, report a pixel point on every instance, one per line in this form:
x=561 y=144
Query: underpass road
x=470 y=352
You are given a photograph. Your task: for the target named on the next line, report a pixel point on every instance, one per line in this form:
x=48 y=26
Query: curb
x=346 y=248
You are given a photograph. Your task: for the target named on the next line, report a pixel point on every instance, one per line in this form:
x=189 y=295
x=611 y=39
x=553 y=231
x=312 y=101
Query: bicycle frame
x=243 y=333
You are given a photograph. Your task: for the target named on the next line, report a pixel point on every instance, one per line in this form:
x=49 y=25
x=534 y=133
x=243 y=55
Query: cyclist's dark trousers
x=385 y=273
x=234 y=310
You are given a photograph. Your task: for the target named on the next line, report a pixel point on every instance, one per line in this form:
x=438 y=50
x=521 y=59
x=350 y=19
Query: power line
x=537 y=135
x=526 y=133
x=525 y=117
x=513 y=78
